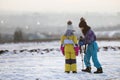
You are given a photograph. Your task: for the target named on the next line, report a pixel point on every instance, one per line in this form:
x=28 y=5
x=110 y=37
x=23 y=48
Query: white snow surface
x=50 y=65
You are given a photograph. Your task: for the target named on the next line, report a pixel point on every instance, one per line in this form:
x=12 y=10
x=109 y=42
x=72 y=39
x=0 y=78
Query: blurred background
x=46 y=20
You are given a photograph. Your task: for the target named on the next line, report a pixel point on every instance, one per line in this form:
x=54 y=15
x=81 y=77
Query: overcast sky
x=60 y=5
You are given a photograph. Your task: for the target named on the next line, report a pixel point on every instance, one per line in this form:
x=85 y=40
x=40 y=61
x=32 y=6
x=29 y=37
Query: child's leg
x=87 y=57
x=67 y=61
x=73 y=62
x=94 y=56
x=95 y=60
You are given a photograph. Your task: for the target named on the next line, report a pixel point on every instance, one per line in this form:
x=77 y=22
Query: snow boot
x=74 y=71
x=67 y=71
x=88 y=69
x=99 y=70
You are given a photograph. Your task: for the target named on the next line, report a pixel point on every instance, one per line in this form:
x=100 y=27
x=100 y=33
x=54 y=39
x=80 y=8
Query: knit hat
x=82 y=23
x=70 y=26
x=69 y=22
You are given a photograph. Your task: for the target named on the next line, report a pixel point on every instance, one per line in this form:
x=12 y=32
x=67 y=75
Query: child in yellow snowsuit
x=69 y=41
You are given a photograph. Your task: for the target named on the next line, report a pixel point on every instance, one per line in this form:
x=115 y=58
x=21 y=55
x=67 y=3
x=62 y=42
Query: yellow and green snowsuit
x=69 y=52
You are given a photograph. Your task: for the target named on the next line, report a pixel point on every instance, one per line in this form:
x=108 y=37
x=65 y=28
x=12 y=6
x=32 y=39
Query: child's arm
x=76 y=47
x=62 y=39
x=62 y=46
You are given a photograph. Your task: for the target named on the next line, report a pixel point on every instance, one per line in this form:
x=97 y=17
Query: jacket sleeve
x=90 y=37
x=62 y=39
x=75 y=40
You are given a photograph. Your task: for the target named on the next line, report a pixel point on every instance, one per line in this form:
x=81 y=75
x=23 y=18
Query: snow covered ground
x=48 y=62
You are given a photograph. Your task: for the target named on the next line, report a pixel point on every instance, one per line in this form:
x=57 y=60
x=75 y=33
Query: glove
x=62 y=49
x=81 y=43
x=76 y=48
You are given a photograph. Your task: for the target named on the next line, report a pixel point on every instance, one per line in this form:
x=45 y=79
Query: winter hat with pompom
x=70 y=26
x=82 y=23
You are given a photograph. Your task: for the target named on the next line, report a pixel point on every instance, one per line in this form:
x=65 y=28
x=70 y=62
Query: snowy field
x=44 y=61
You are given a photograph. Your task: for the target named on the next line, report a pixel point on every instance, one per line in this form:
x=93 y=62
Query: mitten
x=62 y=49
x=76 y=48
x=81 y=43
